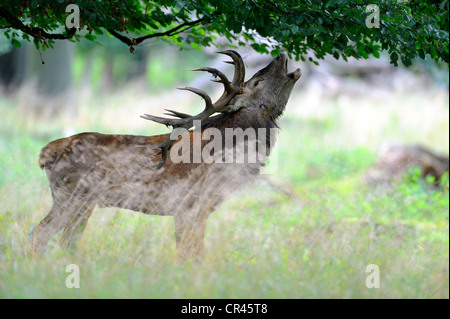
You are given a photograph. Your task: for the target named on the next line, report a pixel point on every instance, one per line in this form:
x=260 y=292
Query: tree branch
x=35 y=32
x=170 y=32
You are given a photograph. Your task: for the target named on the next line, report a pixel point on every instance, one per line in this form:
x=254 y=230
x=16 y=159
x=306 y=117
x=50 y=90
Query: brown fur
x=90 y=169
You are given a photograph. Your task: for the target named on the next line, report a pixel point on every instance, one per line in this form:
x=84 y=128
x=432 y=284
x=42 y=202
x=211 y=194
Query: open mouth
x=295 y=75
x=285 y=64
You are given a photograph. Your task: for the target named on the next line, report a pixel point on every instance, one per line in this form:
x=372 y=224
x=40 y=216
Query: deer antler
x=221 y=105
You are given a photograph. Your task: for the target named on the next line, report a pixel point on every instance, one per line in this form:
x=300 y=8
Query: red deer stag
x=139 y=172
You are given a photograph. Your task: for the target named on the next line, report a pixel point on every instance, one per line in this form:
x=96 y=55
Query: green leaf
x=275 y=52
x=433 y=52
x=90 y=37
x=413 y=29
x=16 y=43
x=421 y=54
x=394 y=58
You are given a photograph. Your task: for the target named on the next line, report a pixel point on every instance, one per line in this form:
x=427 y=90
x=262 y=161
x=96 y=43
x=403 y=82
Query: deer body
x=90 y=169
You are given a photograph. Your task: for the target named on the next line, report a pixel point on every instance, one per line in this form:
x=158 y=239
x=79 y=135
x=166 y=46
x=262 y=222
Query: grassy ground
x=306 y=231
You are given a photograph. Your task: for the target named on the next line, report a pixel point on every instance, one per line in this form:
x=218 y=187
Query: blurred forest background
x=308 y=229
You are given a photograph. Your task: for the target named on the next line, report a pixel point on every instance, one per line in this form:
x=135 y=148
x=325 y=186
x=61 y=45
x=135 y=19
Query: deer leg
x=74 y=230
x=46 y=229
x=59 y=216
x=189 y=236
x=192 y=215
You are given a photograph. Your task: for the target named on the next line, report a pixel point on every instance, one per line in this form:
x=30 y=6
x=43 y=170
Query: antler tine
x=239 y=72
x=177 y=114
x=217 y=73
x=221 y=105
x=164 y=147
x=185 y=120
x=160 y=120
x=202 y=93
x=236 y=85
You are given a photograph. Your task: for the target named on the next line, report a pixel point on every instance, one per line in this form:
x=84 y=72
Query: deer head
x=269 y=89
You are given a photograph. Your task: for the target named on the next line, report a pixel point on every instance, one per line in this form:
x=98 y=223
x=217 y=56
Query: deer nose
x=295 y=75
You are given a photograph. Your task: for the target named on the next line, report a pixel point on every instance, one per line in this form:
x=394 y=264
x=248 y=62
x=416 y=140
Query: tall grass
x=307 y=231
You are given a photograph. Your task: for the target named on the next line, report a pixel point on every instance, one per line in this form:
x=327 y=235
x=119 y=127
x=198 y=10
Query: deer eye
x=256 y=83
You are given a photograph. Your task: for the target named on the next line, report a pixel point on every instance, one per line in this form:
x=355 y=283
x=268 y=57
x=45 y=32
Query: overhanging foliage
x=407 y=29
